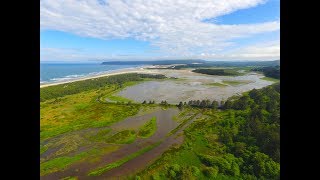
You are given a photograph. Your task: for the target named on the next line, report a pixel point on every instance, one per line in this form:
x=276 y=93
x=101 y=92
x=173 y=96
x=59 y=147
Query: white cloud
x=69 y=54
x=176 y=27
x=261 y=51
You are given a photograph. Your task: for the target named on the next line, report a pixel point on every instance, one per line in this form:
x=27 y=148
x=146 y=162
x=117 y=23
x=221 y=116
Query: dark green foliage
x=228 y=104
x=61 y=90
x=214 y=104
x=210 y=172
x=241 y=141
x=218 y=72
x=203 y=104
x=174 y=171
x=227 y=164
x=165 y=103
x=269 y=71
x=264 y=166
x=195 y=171
x=180 y=105
x=252 y=132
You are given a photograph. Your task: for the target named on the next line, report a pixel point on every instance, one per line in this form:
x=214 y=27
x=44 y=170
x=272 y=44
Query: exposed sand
x=192 y=86
x=188 y=86
x=116 y=72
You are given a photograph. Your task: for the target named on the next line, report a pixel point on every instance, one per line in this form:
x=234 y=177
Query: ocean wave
x=92 y=74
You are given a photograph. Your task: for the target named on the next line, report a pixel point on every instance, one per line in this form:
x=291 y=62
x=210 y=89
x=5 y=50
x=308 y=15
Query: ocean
x=58 y=72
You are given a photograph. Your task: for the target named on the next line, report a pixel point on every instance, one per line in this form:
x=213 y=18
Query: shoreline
x=142 y=69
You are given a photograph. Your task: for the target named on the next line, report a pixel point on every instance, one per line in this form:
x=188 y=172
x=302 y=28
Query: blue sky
x=89 y=30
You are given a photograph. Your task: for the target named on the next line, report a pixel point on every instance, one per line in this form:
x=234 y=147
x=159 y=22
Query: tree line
x=218 y=72
x=251 y=131
x=269 y=71
x=61 y=90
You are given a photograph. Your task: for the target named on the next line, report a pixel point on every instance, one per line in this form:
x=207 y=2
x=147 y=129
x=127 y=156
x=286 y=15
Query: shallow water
x=165 y=124
x=192 y=86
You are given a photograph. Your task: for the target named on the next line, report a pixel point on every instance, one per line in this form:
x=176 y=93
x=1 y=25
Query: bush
x=195 y=171
x=210 y=172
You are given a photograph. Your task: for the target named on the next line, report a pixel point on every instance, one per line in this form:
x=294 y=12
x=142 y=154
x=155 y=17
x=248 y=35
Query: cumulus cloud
x=175 y=27
x=69 y=54
x=260 y=51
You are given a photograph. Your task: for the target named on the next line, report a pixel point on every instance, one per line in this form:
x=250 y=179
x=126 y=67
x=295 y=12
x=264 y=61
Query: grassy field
x=80 y=119
x=63 y=116
x=60 y=115
x=148 y=129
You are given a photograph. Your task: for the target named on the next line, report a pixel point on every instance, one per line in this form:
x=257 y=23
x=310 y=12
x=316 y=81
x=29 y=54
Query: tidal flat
x=185 y=85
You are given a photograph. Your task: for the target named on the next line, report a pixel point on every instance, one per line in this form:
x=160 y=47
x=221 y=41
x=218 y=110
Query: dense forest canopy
x=269 y=71
x=248 y=144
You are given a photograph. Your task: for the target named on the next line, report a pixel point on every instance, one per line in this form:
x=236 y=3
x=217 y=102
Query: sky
x=102 y=30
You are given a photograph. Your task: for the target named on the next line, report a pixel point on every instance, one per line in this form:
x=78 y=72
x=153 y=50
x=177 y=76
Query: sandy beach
x=116 y=72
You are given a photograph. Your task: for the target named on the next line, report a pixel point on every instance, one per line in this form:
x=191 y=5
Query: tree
x=214 y=104
x=228 y=104
x=144 y=102
x=242 y=103
x=210 y=172
x=221 y=104
x=203 y=104
x=264 y=166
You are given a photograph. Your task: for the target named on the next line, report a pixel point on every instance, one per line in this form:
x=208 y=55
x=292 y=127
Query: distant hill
x=158 y=62
x=196 y=63
x=243 y=63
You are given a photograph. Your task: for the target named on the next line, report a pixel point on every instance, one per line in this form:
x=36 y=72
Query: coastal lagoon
x=185 y=85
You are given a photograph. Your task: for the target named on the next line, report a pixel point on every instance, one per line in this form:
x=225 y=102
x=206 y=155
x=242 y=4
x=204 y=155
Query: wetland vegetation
x=87 y=129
